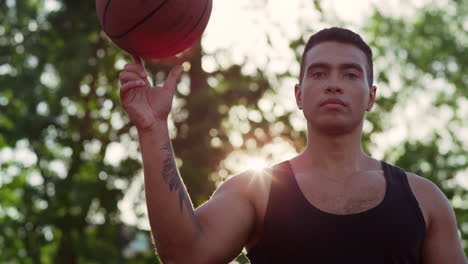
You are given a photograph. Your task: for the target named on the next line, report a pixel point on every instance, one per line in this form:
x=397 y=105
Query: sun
x=256 y=163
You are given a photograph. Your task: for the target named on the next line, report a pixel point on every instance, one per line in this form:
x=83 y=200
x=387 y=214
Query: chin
x=334 y=130
x=334 y=127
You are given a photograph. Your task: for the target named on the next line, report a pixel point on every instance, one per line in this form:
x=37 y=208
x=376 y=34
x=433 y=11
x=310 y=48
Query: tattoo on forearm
x=171 y=177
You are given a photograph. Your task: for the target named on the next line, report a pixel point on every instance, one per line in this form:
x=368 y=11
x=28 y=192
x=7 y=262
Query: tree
x=427 y=55
x=59 y=202
x=60 y=120
x=60 y=106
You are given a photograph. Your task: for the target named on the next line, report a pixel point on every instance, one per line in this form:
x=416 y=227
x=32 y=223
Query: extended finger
x=174 y=77
x=136 y=59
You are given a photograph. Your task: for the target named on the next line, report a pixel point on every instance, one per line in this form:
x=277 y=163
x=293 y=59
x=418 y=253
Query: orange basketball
x=153 y=29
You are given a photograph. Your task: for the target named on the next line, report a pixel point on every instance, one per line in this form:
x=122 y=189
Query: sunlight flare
x=256 y=163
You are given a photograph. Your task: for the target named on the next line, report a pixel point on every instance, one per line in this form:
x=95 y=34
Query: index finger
x=136 y=59
x=139 y=62
x=174 y=77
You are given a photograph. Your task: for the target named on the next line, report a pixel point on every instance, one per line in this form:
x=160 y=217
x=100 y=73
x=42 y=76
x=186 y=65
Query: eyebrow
x=347 y=65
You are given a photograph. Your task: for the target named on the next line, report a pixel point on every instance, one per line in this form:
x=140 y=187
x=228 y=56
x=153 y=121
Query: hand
x=144 y=104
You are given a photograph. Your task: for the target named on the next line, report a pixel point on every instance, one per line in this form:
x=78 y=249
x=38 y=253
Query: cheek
x=359 y=96
x=309 y=98
x=311 y=91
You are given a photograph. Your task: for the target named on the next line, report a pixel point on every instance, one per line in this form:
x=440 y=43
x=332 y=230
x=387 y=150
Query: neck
x=338 y=155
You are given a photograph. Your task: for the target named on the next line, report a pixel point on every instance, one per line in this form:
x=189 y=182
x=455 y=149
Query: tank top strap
x=282 y=177
x=282 y=190
x=292 y=232
x=397 y=177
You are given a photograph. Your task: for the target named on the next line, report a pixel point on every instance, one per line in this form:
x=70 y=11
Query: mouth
x=333 y=102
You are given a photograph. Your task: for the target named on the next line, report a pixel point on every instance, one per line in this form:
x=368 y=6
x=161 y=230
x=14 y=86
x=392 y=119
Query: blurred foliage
x=59 y=101
x=428 y=52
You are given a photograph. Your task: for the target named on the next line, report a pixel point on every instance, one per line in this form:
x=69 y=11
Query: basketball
x=153 y=29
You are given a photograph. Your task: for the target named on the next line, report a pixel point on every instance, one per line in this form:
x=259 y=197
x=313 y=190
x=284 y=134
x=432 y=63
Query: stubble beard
x=337 y=127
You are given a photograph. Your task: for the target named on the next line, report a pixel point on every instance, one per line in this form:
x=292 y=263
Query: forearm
x=171 y=214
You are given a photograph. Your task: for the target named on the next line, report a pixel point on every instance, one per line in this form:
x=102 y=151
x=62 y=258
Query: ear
x=372 y=93
x=298 y=93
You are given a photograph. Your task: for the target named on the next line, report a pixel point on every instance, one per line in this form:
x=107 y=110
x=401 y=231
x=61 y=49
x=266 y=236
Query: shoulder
x=431 y=199
x=442 y=243
x=252 y=186
x=423 y=186
x=248 y=184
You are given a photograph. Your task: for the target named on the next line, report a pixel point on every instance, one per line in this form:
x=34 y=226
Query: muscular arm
x=171 y=215
x=442 y=244
x=214 y=233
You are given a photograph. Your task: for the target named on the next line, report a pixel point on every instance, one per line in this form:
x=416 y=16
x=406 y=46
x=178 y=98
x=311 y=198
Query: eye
x=318 y=74
x=351 y=75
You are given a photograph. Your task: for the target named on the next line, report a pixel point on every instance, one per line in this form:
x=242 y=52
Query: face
x=334 y=93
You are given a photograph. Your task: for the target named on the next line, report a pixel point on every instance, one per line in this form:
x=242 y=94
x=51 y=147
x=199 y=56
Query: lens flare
x=256 y=163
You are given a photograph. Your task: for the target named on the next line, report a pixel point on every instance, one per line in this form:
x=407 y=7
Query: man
x=330 y=204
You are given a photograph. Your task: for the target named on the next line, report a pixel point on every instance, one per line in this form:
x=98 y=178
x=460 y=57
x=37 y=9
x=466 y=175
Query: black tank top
x=294 y=231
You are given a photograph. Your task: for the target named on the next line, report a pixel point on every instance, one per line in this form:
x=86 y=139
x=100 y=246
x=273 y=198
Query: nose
x=333 y=88
x=333 y=85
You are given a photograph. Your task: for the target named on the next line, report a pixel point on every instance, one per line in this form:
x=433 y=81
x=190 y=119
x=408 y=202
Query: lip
x=332 y=101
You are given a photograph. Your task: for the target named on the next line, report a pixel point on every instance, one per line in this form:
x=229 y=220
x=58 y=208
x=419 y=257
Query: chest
x=354 y=196
x=363 y=216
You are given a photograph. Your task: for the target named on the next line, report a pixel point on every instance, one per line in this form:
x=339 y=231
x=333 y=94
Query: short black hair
x=340 y=35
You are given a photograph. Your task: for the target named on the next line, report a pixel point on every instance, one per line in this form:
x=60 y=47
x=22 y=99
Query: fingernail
x=140 y=82
x=143 y=74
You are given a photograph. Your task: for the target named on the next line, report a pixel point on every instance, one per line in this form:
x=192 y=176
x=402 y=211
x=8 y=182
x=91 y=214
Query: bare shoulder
x=423 y=186
x=247 y=184
x=228 y=219
x=251 y=186
x=442 y=243
x=430 y=198
x=254 y=187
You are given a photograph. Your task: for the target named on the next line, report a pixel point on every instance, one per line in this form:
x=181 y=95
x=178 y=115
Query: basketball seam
x=191 y=30
x=117 y=36
x=104 y=18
